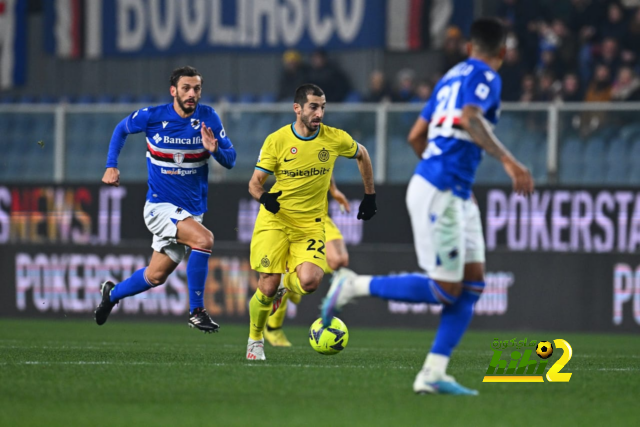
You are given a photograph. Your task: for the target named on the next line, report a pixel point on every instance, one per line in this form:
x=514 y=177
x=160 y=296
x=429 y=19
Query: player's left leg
x=337 y=254
x=193 y=234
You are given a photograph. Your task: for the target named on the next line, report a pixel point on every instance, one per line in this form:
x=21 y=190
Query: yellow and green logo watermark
x=522 y=367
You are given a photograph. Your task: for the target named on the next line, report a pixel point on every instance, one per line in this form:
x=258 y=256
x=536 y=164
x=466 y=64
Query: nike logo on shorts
x=317 y=257
x=289 y=160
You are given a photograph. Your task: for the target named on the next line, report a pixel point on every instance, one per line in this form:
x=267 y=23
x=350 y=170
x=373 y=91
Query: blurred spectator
x=567 y=45
x=294 y=74
x=331 y=79
x=600 y=87
x=571 y=91
x=627 y=86
x=453 y=49
x=522 y=17
x=549 y=63
x=548 y=88
x=614 y=26
x=511 y=72
x=631 y=41
x=609 y=55
x=405 y=90
x=378 y=88
x=528 y=93
x=423 y=92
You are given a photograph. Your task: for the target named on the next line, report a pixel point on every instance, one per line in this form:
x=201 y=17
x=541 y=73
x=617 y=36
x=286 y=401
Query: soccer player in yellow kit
x=337 y=257
x=289 y=234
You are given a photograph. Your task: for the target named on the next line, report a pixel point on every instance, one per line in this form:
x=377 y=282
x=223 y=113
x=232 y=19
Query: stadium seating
x=617 y=163
x=571 y=161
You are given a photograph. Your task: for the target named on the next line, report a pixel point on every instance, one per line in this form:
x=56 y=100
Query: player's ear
x=503 y=52
x=173 y=91
x=297 y=107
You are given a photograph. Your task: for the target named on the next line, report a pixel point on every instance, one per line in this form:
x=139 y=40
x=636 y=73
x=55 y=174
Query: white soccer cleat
x=255 y=350
x=429 y=382
x=341 y=292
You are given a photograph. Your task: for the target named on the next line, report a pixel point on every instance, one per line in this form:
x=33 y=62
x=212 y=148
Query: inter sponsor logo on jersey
x=306 y=173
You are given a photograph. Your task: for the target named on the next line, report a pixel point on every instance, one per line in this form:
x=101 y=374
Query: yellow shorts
x=331 y=230
x=276 y=245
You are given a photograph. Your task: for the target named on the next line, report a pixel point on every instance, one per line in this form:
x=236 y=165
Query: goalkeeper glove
x=270 y=201
x=367 y=207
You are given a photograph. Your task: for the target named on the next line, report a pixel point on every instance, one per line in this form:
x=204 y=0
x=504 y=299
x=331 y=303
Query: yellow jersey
x=303 y=167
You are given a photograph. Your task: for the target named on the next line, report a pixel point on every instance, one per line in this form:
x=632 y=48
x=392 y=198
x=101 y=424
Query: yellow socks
x=292 y=283
x=259 y=309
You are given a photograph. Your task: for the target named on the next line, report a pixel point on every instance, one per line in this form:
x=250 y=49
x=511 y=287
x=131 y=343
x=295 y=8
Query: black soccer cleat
x=104 y=309
x=200 y=319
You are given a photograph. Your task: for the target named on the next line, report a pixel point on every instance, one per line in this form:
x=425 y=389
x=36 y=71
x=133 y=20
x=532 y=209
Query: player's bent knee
x=156 y=278
x=452 y=288
x=268 y=283
x=204 y=240
x=311 y=284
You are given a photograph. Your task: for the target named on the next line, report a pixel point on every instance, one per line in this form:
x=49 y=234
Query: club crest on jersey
x=195 y=123
x=323 y=155
x=178 y=158
x=294 y=150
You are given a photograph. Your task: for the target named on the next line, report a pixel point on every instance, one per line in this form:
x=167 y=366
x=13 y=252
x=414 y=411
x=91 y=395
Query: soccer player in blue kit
x=181 y=136
x=450 y=135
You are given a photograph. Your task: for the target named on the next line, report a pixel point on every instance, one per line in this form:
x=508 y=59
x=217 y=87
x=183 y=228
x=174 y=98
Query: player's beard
x=308 y=123
x=187 y=108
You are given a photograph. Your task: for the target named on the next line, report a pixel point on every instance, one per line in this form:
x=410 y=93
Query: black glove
x=270 y=201
x=367 y=207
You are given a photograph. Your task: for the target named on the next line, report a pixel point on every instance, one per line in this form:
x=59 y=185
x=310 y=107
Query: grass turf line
x=128 y=373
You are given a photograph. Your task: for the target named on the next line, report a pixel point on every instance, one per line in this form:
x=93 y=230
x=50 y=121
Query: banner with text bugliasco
x=175 y=27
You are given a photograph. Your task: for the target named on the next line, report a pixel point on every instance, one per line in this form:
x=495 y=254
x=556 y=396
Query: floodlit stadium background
x=564 y=259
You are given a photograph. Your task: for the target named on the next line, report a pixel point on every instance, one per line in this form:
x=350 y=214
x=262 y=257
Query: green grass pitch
x=72 y=373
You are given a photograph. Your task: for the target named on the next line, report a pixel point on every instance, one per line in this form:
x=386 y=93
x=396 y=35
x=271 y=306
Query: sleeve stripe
x=357 y=148
x=264 y=170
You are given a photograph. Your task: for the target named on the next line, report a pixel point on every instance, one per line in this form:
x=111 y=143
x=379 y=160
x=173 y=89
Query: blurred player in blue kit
x=449 y=137
x=181 y=136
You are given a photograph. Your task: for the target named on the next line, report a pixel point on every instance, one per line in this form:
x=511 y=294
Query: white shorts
x=447 y=230
x=162 y=220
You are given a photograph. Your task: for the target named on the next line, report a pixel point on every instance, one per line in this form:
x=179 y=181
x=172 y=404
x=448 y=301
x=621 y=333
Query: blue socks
x=409 y=288
x=134 y=285
x=455 y=318
x=197 y=269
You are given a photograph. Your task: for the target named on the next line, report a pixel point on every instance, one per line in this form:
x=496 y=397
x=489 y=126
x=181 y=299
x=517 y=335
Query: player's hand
x=367 y=207
x=209 y=141
x=270 y=201
x=111 y=177
x=520 y=176
x=339 y=197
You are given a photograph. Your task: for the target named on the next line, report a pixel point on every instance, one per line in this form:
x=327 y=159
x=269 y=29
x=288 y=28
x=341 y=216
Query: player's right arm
x=473 y=121
x=266 y=166
x=134 y=123
x=419 y=134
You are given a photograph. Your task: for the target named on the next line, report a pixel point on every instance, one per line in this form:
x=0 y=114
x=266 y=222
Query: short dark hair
x=303 y=91
x=488 y=35
x=186 y=71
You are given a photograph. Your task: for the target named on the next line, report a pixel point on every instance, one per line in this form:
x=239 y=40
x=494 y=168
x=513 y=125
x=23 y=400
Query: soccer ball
x=331 y=340
x=544 y=349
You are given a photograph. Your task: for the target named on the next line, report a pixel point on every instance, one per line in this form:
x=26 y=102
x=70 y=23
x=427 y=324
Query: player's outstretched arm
x=257 y=191
x=112 y=174
x=476 y=125
x=418 y=136
x=368 y=206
